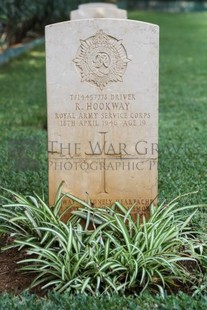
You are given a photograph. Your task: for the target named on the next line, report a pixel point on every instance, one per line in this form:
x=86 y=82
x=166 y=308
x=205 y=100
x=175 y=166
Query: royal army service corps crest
x=101 y=59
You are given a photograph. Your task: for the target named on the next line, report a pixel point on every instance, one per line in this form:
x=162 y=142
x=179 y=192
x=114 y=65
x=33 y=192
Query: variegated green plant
x=22 y=215
x=110 y=252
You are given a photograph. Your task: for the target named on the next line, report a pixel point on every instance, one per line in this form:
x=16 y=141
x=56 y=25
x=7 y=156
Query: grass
x=23 y=138
x=63 y=301
x=182 y=111
x=182 y=126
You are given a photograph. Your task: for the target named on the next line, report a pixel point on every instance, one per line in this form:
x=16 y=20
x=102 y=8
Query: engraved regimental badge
x=101 y=59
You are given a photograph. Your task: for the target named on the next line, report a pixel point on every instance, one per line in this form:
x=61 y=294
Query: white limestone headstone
x=102 y=97
x=98 y=10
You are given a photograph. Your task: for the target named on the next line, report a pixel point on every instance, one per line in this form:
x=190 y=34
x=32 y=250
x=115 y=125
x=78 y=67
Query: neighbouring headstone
x=98 y=10
x=102 y=95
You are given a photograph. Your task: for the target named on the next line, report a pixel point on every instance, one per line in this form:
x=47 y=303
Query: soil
x=14 y=282
x=11 y=280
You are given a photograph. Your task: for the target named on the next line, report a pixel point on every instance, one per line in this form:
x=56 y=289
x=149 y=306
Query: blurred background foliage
x=25 y=19
x=20 y=18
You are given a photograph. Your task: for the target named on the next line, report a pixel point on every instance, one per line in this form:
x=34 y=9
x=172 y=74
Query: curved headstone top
x=97 y=4
x=98 y=10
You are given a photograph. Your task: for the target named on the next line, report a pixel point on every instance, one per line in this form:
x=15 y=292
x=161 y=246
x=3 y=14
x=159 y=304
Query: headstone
x=98 y=10
x=97 y=4
x=102 y=95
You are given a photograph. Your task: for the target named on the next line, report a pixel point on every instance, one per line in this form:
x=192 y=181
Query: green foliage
x=116 y=255
x=23 y=217
x=20 y=16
